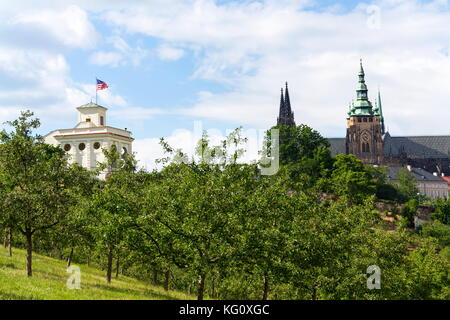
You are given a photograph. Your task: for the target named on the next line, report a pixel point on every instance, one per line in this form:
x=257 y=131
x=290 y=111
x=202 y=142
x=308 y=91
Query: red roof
x=446 y=179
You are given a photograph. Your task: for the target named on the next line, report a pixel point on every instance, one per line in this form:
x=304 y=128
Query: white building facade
x=85 y=142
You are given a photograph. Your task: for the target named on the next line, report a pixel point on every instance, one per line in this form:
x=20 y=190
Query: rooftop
x=418 y=173
x=91 y=105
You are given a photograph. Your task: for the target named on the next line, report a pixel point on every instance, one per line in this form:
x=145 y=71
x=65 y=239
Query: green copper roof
x=380 y=111
x=362 y=106
x=91 y=105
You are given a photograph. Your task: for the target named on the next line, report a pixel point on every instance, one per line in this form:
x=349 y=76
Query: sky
x=177 y=67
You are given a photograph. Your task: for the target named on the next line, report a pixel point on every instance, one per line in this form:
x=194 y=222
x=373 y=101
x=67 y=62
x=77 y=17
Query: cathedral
x=368 y=139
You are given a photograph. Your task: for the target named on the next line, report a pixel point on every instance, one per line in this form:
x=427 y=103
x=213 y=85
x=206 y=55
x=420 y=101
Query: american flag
x=101 y=85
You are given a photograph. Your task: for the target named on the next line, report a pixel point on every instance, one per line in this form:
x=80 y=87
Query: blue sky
x=170 y=63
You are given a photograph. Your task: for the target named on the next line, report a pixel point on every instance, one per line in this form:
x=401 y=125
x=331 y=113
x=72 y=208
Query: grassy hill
x=50 y=277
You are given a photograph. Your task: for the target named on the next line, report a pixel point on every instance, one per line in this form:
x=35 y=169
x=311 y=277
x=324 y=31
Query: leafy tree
x=407 y=185
x=297 y=142
x=437 y=230
x=37 y=178
x=351 y=178
x=442 y=212
x=114 y=206
x=409 y=211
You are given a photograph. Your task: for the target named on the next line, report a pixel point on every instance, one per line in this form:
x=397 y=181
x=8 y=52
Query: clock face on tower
x=365 y=137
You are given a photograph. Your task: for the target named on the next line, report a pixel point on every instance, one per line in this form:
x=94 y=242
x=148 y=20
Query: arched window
x=365 y=147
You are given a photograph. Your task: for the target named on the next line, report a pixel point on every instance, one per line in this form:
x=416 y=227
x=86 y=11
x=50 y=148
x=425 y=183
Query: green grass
x=50 y=277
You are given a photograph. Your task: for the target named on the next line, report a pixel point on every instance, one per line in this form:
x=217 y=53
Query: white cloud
x=250 y=46
x=106 y=58
x=122 y=56
x=254 y=46
x=166 y=52
x=69 y=26
x=135 y=113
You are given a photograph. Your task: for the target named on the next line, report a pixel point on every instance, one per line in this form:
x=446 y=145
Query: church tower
x=365 y=125
x=286 y=116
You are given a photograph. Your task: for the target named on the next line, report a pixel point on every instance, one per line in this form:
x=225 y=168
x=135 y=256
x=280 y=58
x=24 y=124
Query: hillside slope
x=50 y=277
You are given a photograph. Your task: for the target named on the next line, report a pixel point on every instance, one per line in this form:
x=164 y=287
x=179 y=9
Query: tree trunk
x=117 y=267
x=109 y=266
x=213 y=288
x=28 y=236
x=5 y=240
x=10 y=242
x=155 y=277
x=166 y=280
x=69 y=260
x=266 y=287
x=314 y=293
x=88 y=260
x=201 y=287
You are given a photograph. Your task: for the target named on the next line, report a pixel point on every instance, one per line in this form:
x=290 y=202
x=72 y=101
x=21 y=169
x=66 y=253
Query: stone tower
x=365 y=126
x=286 y=116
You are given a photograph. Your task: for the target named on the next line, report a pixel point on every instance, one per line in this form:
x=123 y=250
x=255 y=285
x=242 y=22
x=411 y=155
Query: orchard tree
x=112 y=207
x=190 y=213
x=37 y=179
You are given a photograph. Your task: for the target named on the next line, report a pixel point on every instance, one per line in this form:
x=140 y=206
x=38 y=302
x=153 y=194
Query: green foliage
x=37 y=181
x=408 y=212
x=297 y=143
x=351 y=178
x=437 y=230
x=387 y=191
x=212 y=226
x=407 y=185
x=442 y=212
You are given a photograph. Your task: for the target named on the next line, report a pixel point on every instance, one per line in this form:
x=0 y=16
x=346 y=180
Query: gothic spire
x=362 y=105
x=287 y=100
x=282 y=105
x=380 y=111
x=286 y=116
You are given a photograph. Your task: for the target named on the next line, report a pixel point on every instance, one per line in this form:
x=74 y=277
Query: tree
x=407 y=185
x=409 y=212
x=442 y=212
x=297 y=142
x=114 y=206
x=351 y=178
x=37 y=178
x=190 y=213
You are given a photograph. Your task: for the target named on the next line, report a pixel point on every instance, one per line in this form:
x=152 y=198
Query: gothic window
x=365 y=119
x=88 y=119
x=365 y=147
x=101 y=121
x=359 y=119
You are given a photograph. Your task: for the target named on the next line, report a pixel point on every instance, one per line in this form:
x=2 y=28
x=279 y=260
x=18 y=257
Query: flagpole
x=96 y=91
